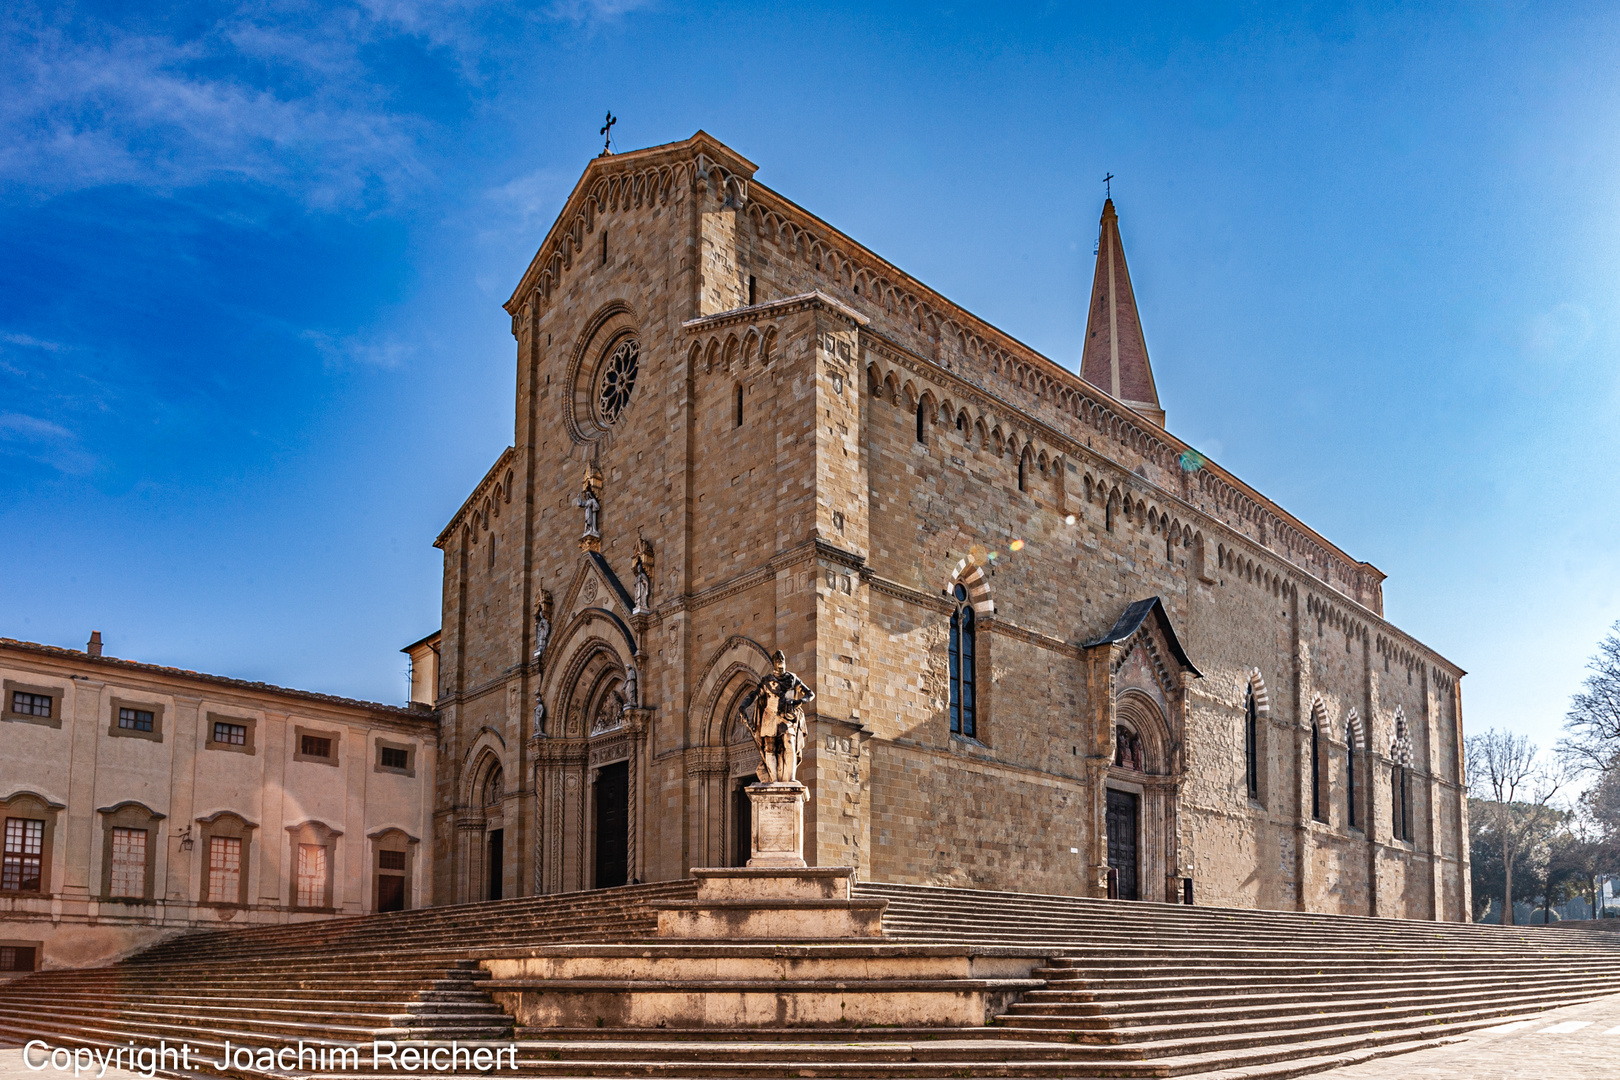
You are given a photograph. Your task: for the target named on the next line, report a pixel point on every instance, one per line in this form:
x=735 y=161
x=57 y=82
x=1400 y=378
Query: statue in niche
x=592 y=506
x=542 y=638
x=542 y=625
x=643 y=586
x=774 y=714
x=632 y=697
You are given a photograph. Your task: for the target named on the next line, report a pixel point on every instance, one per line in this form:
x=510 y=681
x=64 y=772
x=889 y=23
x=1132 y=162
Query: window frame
x=336 y=738
x=249 y=747
x=27 y=837
x=1251 y=744
x=56 y=694
x=1400 y=791
x=1352 y=821
x=962 y=698
x=409 y=749
x=226 y=825
x=35 y=950
x=29 y=805
x=312 y=834
x=1317 y=810
x=392 y=840
x=117 y=732
x=129 y=815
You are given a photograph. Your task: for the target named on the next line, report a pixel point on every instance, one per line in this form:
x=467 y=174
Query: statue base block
x=803 y=903
x=778 y=824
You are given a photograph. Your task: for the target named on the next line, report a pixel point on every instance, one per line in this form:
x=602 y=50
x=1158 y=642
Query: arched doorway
x=611 y=796
x=493 y=796
x=1140 y=803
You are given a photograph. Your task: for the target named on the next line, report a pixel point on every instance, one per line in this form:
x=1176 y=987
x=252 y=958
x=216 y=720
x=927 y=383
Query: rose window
x=617 y=380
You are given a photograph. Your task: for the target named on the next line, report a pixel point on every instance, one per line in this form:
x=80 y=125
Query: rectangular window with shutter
x=129 y=863
x=311 y=875
x=25 y=845
x=224 y=870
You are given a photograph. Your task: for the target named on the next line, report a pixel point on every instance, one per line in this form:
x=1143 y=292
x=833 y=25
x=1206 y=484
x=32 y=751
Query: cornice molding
x=495 y=485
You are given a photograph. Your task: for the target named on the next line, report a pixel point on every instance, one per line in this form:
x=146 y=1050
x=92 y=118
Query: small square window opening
x=135 y=719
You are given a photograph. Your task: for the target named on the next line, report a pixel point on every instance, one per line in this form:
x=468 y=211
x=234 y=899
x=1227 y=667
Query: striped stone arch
x=973 y=578
x=1319 y=714
x=1353 y=732
x=1400 y=744
x=1255 y=684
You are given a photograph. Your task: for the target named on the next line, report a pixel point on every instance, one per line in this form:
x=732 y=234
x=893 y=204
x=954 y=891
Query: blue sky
x=251 y=260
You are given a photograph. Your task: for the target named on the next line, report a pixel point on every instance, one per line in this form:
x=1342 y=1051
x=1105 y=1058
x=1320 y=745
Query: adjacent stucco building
x=140 y=800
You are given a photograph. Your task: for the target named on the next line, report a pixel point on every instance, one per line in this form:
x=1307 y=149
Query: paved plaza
x=1571 y=1043
x=1567 y=1044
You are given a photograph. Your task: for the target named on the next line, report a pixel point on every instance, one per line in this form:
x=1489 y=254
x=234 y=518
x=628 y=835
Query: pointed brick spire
x=1115 y=358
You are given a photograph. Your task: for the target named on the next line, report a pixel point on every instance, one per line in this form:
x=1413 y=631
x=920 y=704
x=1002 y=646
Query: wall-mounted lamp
x=185 y=839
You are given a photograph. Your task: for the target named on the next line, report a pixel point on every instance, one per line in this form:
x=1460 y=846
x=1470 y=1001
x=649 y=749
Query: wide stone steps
x=1243 y=1022
x=606 y=913
x=1117 y=1005
x=1119 y=989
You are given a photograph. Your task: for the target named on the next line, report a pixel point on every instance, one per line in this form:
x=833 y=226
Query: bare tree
x=1593 y=720
x=1506 y=775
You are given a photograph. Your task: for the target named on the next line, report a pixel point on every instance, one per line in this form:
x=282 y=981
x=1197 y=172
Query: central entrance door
x=497 y=857
x=1122 y=856
x=612 y=825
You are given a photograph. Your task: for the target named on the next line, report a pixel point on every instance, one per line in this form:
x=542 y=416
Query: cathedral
x=1052 y=648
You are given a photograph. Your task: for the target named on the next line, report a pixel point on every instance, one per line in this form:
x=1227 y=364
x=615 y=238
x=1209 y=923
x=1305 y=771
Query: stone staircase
x=1115 y=989
x=405 y=975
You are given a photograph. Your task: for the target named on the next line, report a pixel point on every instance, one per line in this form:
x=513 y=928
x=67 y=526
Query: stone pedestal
x=778 y=824
x=802 y=903
x=776 y=896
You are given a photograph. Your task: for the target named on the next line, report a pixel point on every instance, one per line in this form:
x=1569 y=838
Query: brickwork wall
x=824 y=526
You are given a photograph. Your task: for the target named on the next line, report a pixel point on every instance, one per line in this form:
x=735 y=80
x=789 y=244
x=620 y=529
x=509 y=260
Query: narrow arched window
x=1251 y=739
x=962 y=651
x=1023 y=469
x=1350 y=773
x=1316 y=771
x=921 y=420
x=739 y=404
x=1400 y=804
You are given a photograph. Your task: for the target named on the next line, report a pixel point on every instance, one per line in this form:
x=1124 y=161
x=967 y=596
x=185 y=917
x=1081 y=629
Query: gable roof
x=1131 y=621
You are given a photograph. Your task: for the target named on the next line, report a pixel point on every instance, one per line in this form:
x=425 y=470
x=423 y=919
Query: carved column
x=638 y=722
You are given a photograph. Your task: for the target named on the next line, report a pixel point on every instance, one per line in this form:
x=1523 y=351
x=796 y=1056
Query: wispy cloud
x=44 y=442
x=287 y=105
x=347 y=352
x=23 y=341
x=583 y=12
x=531 y=200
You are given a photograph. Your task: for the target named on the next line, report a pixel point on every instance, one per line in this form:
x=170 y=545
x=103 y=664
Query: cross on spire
x=607 y=133
x=1108 y=185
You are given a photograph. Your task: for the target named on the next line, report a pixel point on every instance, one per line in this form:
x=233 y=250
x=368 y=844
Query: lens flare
x=1016 y=546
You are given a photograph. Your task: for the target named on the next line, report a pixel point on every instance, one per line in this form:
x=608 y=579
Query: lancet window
x=963 y=648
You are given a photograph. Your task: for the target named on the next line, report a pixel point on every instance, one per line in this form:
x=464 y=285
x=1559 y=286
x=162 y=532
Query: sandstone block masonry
x=805 y=449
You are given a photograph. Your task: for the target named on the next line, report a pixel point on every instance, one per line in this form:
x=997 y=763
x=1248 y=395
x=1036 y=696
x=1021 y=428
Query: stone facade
x=814 y=452
x=127 y=772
